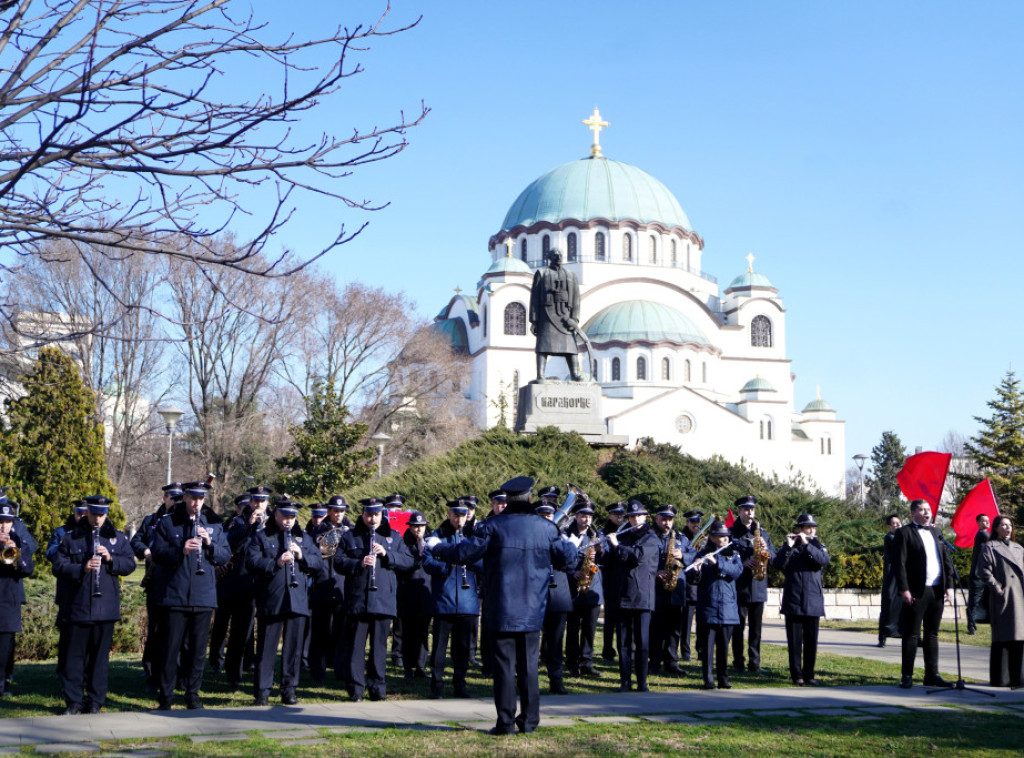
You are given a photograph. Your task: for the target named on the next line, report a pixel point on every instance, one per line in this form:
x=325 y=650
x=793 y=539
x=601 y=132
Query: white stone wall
x=840 y=605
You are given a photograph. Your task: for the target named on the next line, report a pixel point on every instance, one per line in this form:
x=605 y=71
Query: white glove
x=433 y=541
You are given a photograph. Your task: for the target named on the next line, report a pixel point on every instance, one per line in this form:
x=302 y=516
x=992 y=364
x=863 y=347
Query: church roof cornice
x=570 y=223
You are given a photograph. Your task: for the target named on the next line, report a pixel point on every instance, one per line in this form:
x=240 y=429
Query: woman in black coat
x=803 y=603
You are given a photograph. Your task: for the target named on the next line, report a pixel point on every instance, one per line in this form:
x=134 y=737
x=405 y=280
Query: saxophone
x=588 y=568
x=672 y=566
x=761 y=557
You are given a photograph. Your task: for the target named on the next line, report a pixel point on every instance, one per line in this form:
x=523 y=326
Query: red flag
x=730 y=520
x=979 y=501
x=399 y=520
x=923 y=476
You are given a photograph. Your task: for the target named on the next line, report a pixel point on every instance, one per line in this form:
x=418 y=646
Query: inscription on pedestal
x=569 y=406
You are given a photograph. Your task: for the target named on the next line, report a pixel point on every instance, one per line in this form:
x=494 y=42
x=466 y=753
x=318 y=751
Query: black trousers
x=362 y=671
x=552 y=644
x=238 y=613
x=611 y=629
x=580 y=630
x=185 y=633
x=634 y=645
x=459 y=630
x=152 y=652
x=1005 y=662
x=416 y=642
x=716 y=648
x=685 y=652
x=666 y=629
x=62 y=646
x=326 y=623
x=751 y=615
x=88 y=656
x=6 y=648
x=976 y=611
x=802 y=641
x=516 y=655
x=272 y=628
x=926 y=610
x=396 y=641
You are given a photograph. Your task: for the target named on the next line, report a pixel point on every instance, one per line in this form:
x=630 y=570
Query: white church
x=676 y=360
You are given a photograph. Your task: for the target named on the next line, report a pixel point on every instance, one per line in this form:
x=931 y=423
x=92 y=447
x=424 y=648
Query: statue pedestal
x=569 y=406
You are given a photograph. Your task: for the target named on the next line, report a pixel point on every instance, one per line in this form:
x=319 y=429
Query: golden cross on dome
x=458 y=290
x=596 y=124
x=509 y=244
x=750 y=263
x=819 y=391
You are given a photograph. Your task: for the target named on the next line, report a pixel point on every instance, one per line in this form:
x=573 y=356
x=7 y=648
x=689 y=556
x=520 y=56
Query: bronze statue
x=554 y=314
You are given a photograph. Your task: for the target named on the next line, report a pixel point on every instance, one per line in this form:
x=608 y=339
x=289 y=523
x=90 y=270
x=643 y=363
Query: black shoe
x=557 y=687
x=590 y=671
x=753 y=668
x=475 y=662
x=73 y=710
x=163 y=705
x=643 y=687
x=420 y=673
x=462 y=692
x=572 y=672
x=971 y=630
x=500 y=730
x=812 y=682
x=936 y=681
x=674 y=670
x=376 y=695
x=214 y=667
x=708 y=685
x=92 y=708
x=723 y=684
x=799 y=682
x=627 y=687
x=436 y=690
x=881 y=643
x=685 y=659
x=261 y=700
x=289 y=698
x=194 y=705
x=608 y=656
x=408 y=675
x=354 y=697
x=906 y=682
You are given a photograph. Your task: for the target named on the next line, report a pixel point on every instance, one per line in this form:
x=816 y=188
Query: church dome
x=750 y=279
x=454 y=329
x=817 y=405
x=757 y=384
x=643 y=321
x=596 y=188
x=508 y=265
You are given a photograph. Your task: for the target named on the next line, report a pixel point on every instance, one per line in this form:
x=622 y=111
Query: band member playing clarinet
x=89 y=561
x=368 y=556
x=185 y=550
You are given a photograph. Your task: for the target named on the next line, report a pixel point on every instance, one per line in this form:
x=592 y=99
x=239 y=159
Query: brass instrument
x=701 y=538
x=588 y=568
x=761 y=556
x=10 y=553
x=564 y=512
x=328 y=541
x=672 y=565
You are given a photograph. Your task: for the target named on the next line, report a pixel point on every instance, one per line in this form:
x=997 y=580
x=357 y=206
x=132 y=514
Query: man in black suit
x=924 y=578
x=976 y=610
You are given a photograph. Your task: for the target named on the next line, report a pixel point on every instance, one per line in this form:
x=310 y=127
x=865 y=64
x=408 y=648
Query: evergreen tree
x=887 y=459
x=998 y=448
x=54 y=446
x=322 y=458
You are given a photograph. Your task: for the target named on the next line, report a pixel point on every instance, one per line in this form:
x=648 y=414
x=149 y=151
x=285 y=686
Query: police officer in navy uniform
x=369 y=555
x=413 y=600
x=77 y=514
x=455 y=604
x=499 y=501
x=612 y=590
x=186 y=548
x=327 y=597
x=552 y=640
x=12 y=591
x=280 y=557
x=30 y=545
x=751 y=593
x=581 y=626
x=471 y=502
x=89 y=561
x=517 y=549
x=634 y=558
x=667 y=619
x=716 y=576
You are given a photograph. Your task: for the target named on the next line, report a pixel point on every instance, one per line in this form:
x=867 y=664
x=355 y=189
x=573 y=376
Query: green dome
x=508 y=265
x=454 y=329
x=758 y=384
x=643 y=321
x=749 y=279
x=817 y=405
x=596 y=188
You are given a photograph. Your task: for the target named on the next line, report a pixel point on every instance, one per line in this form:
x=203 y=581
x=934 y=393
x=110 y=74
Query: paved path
x=297 y=723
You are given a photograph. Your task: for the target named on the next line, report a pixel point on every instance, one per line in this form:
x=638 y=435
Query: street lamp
x=380 y=438
x=170 y=415
x=861 y=459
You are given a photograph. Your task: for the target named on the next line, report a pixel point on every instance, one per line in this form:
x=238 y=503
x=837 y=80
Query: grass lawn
x=947 y=632
x=956 y=732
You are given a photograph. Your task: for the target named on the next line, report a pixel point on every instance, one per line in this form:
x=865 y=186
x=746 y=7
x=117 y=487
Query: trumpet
x=10 y=553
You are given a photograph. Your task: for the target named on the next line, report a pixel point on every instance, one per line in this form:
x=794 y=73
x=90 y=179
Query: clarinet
x=465 y=577
x=373 y=568
x=199 y=553
x=294 y=579
x=96 y=574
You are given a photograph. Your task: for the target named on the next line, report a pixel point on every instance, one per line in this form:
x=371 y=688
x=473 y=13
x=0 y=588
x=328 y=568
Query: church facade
x=677 y=360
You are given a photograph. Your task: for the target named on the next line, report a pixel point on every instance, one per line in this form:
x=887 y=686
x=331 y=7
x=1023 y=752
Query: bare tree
x=124 y=128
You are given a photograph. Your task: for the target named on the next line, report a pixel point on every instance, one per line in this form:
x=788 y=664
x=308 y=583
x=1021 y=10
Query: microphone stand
x=959 y=686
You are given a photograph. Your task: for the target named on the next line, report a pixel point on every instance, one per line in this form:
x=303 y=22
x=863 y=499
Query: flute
x=96 y=574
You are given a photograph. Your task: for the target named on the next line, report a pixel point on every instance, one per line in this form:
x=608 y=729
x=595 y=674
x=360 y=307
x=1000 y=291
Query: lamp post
x=170 y=415
x=380 y=438
x=861 y=459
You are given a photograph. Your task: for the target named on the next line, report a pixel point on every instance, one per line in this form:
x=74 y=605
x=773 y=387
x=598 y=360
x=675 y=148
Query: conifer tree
x=322 y=457
x=54 y=446
x=998 y=448
x=887 y=458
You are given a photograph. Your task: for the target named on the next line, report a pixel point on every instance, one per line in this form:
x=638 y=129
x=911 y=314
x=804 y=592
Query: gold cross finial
x=509 y=244
x=750 y=263
x=819 y=391
x=458 y=290
x=596 y=124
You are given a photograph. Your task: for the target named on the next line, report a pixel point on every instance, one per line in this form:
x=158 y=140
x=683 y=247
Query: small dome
x=817 y=405
x=758 y=384
x=508 y=265
x=643 y=321
x=596 y=188
x=454 y=329
x=749 y=279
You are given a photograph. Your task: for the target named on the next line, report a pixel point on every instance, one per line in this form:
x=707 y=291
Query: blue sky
x=868 y=154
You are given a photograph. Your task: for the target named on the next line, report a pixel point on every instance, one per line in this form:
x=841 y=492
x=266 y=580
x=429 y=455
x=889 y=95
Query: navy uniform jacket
x=677 y=597
x=748 y=590
x=354 y=546
x=635 y=560
x=239 y=580
x=76 y=549
x=274 y=594
x=716 y=587
x=414 y=596
x=560 y=596
x=801 y=593
x=143 y=538
x=447 y=595
x=175 y=580
x=691 y=587
x=595 y=595
x=518 y=549
x=12 y=592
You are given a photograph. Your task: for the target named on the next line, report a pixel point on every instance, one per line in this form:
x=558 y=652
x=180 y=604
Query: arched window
x=616 y=370
x=593 y=370
x=760 y=332
x=675 y=254
x=522 y=250
x=704 y=373
x=545 y=245
x=599 y=246
x=654 y=249
x=686 y=370
x=688 y=268
x=515 y=396
x=515 y=319
x=485 y=321
x=641 y=369
x=666 y=369
x=627 y=247
x=766 y=428
x=571 y=242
